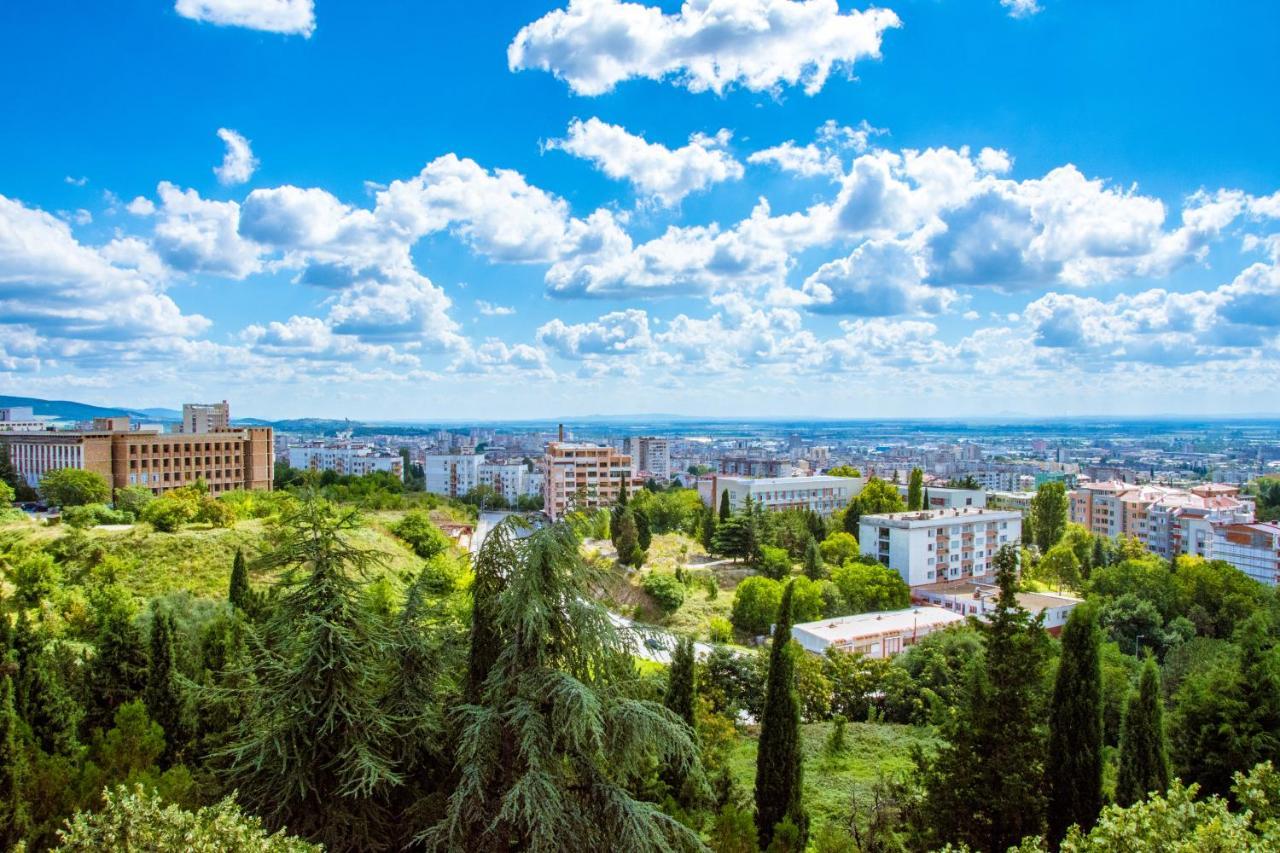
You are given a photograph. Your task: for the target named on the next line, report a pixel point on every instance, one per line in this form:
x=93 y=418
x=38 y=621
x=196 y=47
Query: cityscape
x=640 y=426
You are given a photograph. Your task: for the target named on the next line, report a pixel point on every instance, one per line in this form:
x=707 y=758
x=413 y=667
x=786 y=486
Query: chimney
x=561 y=433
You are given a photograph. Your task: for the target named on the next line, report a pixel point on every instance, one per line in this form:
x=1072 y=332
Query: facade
x=345 y=459
x=822 y=494
x=510 y=479
x=941 y=497
x=1020 y=501
x=20 y=419
x=939 y=544
x=751 y=466
x=452 y=474
x=1252 y=548
x=651 y=455
x=876 y=635
x=233 y=459
x=579 y=476
x=978 y=598
x=200 y=418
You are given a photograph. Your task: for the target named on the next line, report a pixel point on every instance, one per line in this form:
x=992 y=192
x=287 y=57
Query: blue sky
x=730 y=207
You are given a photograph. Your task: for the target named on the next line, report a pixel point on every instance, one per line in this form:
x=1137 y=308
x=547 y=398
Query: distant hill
x=70 y=410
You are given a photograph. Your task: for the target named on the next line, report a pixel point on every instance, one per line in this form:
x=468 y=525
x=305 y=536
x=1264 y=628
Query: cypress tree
x=915 y=487
x=680 y=682
x=852 y=515
x=779 y=768
x=924 y=500
x=52 y=713
x=1144 y=761
x=162 y=696
x=14 y=821
x=622 y=491
x=240 y=594
x=725 y=512
x=813 y=568
x=1073 y=772
x=627 y=539
x=708 y=528
x=6 y=632
x=644 y=538
x=25 y=645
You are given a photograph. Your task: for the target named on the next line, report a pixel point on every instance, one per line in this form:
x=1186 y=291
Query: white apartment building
x=651 y=456
x=512 y=480
x=939 y=544
x=1252 y=548
x=354 y=460
x=941 y=497
x=580 y=476
x=20 y=419
x=452 y=474
x=876 y=635
x=820 y=493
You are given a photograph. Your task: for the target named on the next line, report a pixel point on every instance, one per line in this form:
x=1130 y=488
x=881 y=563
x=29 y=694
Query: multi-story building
x=206 y=417
x=20 y=419
x=751 y=466
x=821 y=493
x=1252 y=548
x=452 y=474
x=939 y=544
x=651 y=455
x=579 y=476
x=1166 y=520
x=940 y=497
x=226 y=460
x=345 y=459
x=508 y=479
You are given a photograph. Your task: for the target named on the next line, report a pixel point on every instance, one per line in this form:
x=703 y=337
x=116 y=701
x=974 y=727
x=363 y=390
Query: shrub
x=665 y=590
x=423 y=537
x=774 y=562
x=88 y=515
x=755 y=604
x=720 y=630
x=133 y=499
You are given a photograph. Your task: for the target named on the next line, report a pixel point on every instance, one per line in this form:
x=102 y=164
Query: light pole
x=1137 y=644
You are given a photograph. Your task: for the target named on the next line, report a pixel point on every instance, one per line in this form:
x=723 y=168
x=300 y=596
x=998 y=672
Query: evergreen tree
x=25 y=645
x=627 y=538
x=52 y=713
x=708 y=530
x=680 y=682
x=1099 y=554
x=14 y=821
x=162 y=696
x=644 y=537
x=779 y=768
x=924 y=500
x=547 y=758
x=1073 y=772
x=725 y=511
x=813 y=568
x=1049 y=515
x=985 y=788
x=118 y=671
x=240 y=594
x=733 y=538
x=496 y=554
x=852 y=515
x=915 y=490
x=1143 y=766
x=623 y=488
x=311 y=752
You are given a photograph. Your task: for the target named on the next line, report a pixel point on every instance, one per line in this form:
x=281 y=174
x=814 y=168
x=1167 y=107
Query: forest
x=324 y=667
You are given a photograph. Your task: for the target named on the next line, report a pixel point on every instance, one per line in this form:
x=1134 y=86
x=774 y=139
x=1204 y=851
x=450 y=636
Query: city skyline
x=729 y=209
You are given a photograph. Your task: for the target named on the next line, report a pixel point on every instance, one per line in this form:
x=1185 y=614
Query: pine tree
x=644 y=538
x=1073 y=772
x=725 y=510
x=915 y=488
x=779 y=768
x=924 y=500
x=708 y=528
x=118 y=672
x=496 y=554
x=312 y=751
x=1144 y=762
x=14 y=820
x=627 y=539
x=545 y=759
x=622 y=491
x=680 y=682
x=52 y=713
x=985 y=788
x=813 y=568
x=163 y=697
x=852 y=515
x=240 y=594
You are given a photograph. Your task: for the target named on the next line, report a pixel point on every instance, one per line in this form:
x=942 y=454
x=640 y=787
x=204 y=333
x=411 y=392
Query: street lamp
x=1137 y=644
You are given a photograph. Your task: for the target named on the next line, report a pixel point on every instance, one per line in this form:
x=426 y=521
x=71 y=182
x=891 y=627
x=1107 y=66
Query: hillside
x=73 y=411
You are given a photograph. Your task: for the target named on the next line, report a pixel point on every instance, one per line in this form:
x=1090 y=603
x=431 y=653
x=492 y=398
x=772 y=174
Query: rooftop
x=867 y=624
x=930 y=516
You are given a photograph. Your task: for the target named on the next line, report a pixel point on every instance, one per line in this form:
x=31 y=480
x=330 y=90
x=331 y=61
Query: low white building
x=345 y=459
x=940 y=497
x=978 y=598
x=939 y=544
x=876 y=635
x=20 y=419
x=820 y=493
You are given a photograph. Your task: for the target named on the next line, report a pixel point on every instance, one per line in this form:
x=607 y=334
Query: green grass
x=831 y=783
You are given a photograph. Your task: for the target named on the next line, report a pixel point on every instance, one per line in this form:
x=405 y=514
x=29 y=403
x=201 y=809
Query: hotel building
x=940 y=544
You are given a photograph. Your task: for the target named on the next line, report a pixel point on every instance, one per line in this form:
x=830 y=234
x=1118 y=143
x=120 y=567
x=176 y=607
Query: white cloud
x=76 y=182
x=880 y=278
x=709 y=45
x=618 y=333
x=238 y=164
x=141 y=206
x=822 y=156
x=496 y=358
x=488 y=309
x=291 y=17
x=663 y=174
x=1021 y=8
x=198 y=235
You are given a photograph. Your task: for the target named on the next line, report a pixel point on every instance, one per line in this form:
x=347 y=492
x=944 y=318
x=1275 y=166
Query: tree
x=1060 y=566
x=814 y=569
x=725 y=510
x=133 y=499
x=9 y=476
x=774 y=562
x=707 y=530
x=779 y=766
x=118 y=671
x=644 y=536
x=734 y=537
x=498 y=552
x=1049 y=514
x=311 y=751
x=915 y=490
x=879 y=497
x=843 y=471
x=239 y=593
x=681 y=691
x=627 y=538
x=423 y=537
x=74 y=487
x=1143 y=765
x=1073 y=771
x=985 y=787
x=755 y=605
x=162 y=696
x=866 y=587
x=839 y=548
x=14 y=820
x=924 y=500
x=546 y=757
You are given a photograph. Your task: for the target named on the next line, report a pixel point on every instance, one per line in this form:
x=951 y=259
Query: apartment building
x=941 y=497
x=652 y=456
x=226 y=460
x=1166 y=520
x=452 y=474
x=345 y=459
x=206 y=417
x=753 y=466
x=580 y=476
x=939 y=544
x=820 y=493
x=512 y=479
x=1252 y=548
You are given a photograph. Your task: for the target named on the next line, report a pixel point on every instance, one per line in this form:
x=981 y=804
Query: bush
x=74 y=487
x=423 y=537
x=665 y=590
x=720 y=630
x=169 y=512
x=774 y=562
x=133 y=499
x=755 y=604
x=88 y=515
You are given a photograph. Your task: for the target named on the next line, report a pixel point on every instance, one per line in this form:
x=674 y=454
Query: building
x=1166 y=520
x=452 y=474
x=224 y=461
x=1252 y=548
x=939 y=544
x=20 y=419
x=512 y=480
x=580 y=476
x=821 y=493
x=753 y=466
x=978 y=598
x=941 y=497
x=345 y=459
x=652 y=457
x=876 y=635
x=1020 y=501
x=200 y=418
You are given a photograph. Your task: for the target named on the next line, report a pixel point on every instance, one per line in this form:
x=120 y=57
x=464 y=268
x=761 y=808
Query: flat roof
x=964 y=589
x=872 y=624
x=784 y=481
x=926 y=517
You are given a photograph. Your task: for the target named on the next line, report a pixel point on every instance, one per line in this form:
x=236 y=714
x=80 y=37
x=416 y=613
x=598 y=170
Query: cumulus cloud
x=708 y=45
x=662 y=174
x=497 y=358
x=1021 y=8
x=291 y=17
x=879 y=278
x=823 y=156
x=488 y=309
x=198 y=235
x=617 y=333
x=238 y=164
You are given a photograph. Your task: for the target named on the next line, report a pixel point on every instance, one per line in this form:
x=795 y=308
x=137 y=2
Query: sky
x=774 y=208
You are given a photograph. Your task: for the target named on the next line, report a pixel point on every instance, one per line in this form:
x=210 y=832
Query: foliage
x=1143 y=765
x=838 y=548
x=779 y=786
x=720 y=630
x=774 y=562
x=89 y=515
x=1060 y=567
x=814 y=567
x=915 y=490
x=664 y=589
x=1073 y=771
x=867 y=587
x=423 y=537
x=843 y=471
x=66 y=487
x=1048 y=514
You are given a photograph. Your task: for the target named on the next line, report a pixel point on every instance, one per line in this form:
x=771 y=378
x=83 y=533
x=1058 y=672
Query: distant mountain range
x=69 y=410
